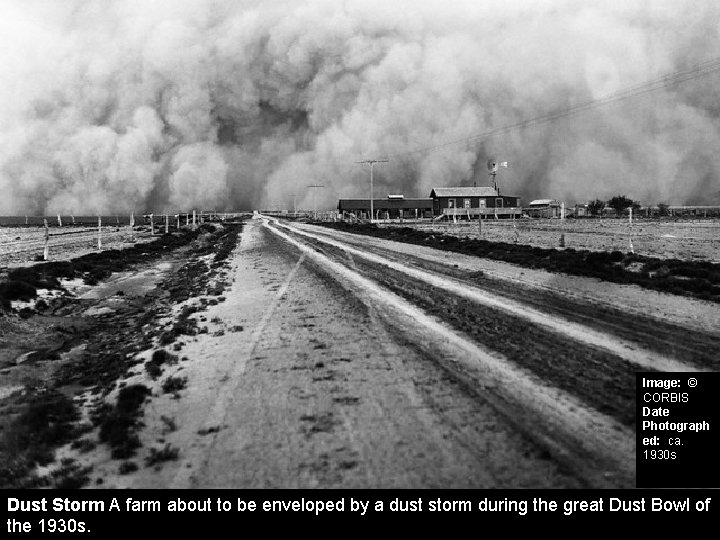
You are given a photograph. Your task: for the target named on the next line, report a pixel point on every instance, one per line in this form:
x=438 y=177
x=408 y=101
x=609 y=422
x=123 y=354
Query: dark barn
x=392 y=207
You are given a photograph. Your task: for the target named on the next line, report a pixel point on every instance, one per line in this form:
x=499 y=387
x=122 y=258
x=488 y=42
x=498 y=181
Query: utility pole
x=372 y=162
x=315 y=198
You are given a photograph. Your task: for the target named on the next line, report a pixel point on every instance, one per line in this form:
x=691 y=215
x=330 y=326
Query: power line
x=700 y=70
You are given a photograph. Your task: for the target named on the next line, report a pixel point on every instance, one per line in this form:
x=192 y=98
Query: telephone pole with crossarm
x=372 y=162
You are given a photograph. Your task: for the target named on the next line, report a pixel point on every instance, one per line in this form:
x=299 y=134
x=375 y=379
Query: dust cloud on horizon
x=108 y=106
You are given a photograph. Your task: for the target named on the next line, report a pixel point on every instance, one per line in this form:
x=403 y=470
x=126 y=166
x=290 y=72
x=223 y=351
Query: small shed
x=582 y=210
x=543 y=208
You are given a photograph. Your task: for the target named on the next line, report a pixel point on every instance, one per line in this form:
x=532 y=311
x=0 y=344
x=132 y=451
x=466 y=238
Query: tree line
x=620 y=203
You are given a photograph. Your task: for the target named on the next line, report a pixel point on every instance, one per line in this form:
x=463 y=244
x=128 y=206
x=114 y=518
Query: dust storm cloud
x=111 y=106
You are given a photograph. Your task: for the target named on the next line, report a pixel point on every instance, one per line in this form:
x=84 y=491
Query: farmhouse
x=474 y=201
x=543 y=208
x=392 y=207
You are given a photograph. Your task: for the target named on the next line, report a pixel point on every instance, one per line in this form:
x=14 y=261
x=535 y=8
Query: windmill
x=492 y=165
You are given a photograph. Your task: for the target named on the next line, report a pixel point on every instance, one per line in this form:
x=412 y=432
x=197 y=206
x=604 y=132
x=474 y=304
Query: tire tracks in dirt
x=680 y=316
x=626 y=350
x=323 y=395
x=224 y=397
x=594 y=445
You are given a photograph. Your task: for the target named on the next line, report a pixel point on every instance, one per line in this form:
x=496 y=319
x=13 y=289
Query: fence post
x=47 y=239
x=99 y=233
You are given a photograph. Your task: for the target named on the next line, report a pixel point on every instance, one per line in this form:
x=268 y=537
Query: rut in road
x=602 y=380
x=586 y=439
x=581 y=333
x=672 y=326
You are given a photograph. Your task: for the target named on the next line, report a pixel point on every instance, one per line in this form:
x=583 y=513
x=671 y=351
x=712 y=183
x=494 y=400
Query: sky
x=113 y=106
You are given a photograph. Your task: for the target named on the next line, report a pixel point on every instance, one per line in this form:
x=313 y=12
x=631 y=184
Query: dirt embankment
x=70 y=329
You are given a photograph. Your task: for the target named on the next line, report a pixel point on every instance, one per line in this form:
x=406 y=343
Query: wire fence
x=19 y=246
x=682 y=239
x=25 y=239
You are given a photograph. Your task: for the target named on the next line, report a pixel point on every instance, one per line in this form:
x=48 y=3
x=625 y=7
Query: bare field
x=22 y=245
x=676 y=239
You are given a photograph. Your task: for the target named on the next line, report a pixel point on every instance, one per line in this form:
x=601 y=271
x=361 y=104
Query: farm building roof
x=544 y=202
x=482 y=191
x=380 y=204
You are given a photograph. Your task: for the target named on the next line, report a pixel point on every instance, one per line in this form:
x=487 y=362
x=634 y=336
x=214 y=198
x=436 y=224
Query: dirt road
x=301 y=382
x=344 y=361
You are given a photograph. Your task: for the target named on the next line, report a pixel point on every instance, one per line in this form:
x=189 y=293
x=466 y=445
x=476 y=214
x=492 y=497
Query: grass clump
x=71 y=475
x=83 y=445
x=167 y=453
x=159 y=357
x=126 y=467
x=46 y=422
x=174 y=384
x=118 y=425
